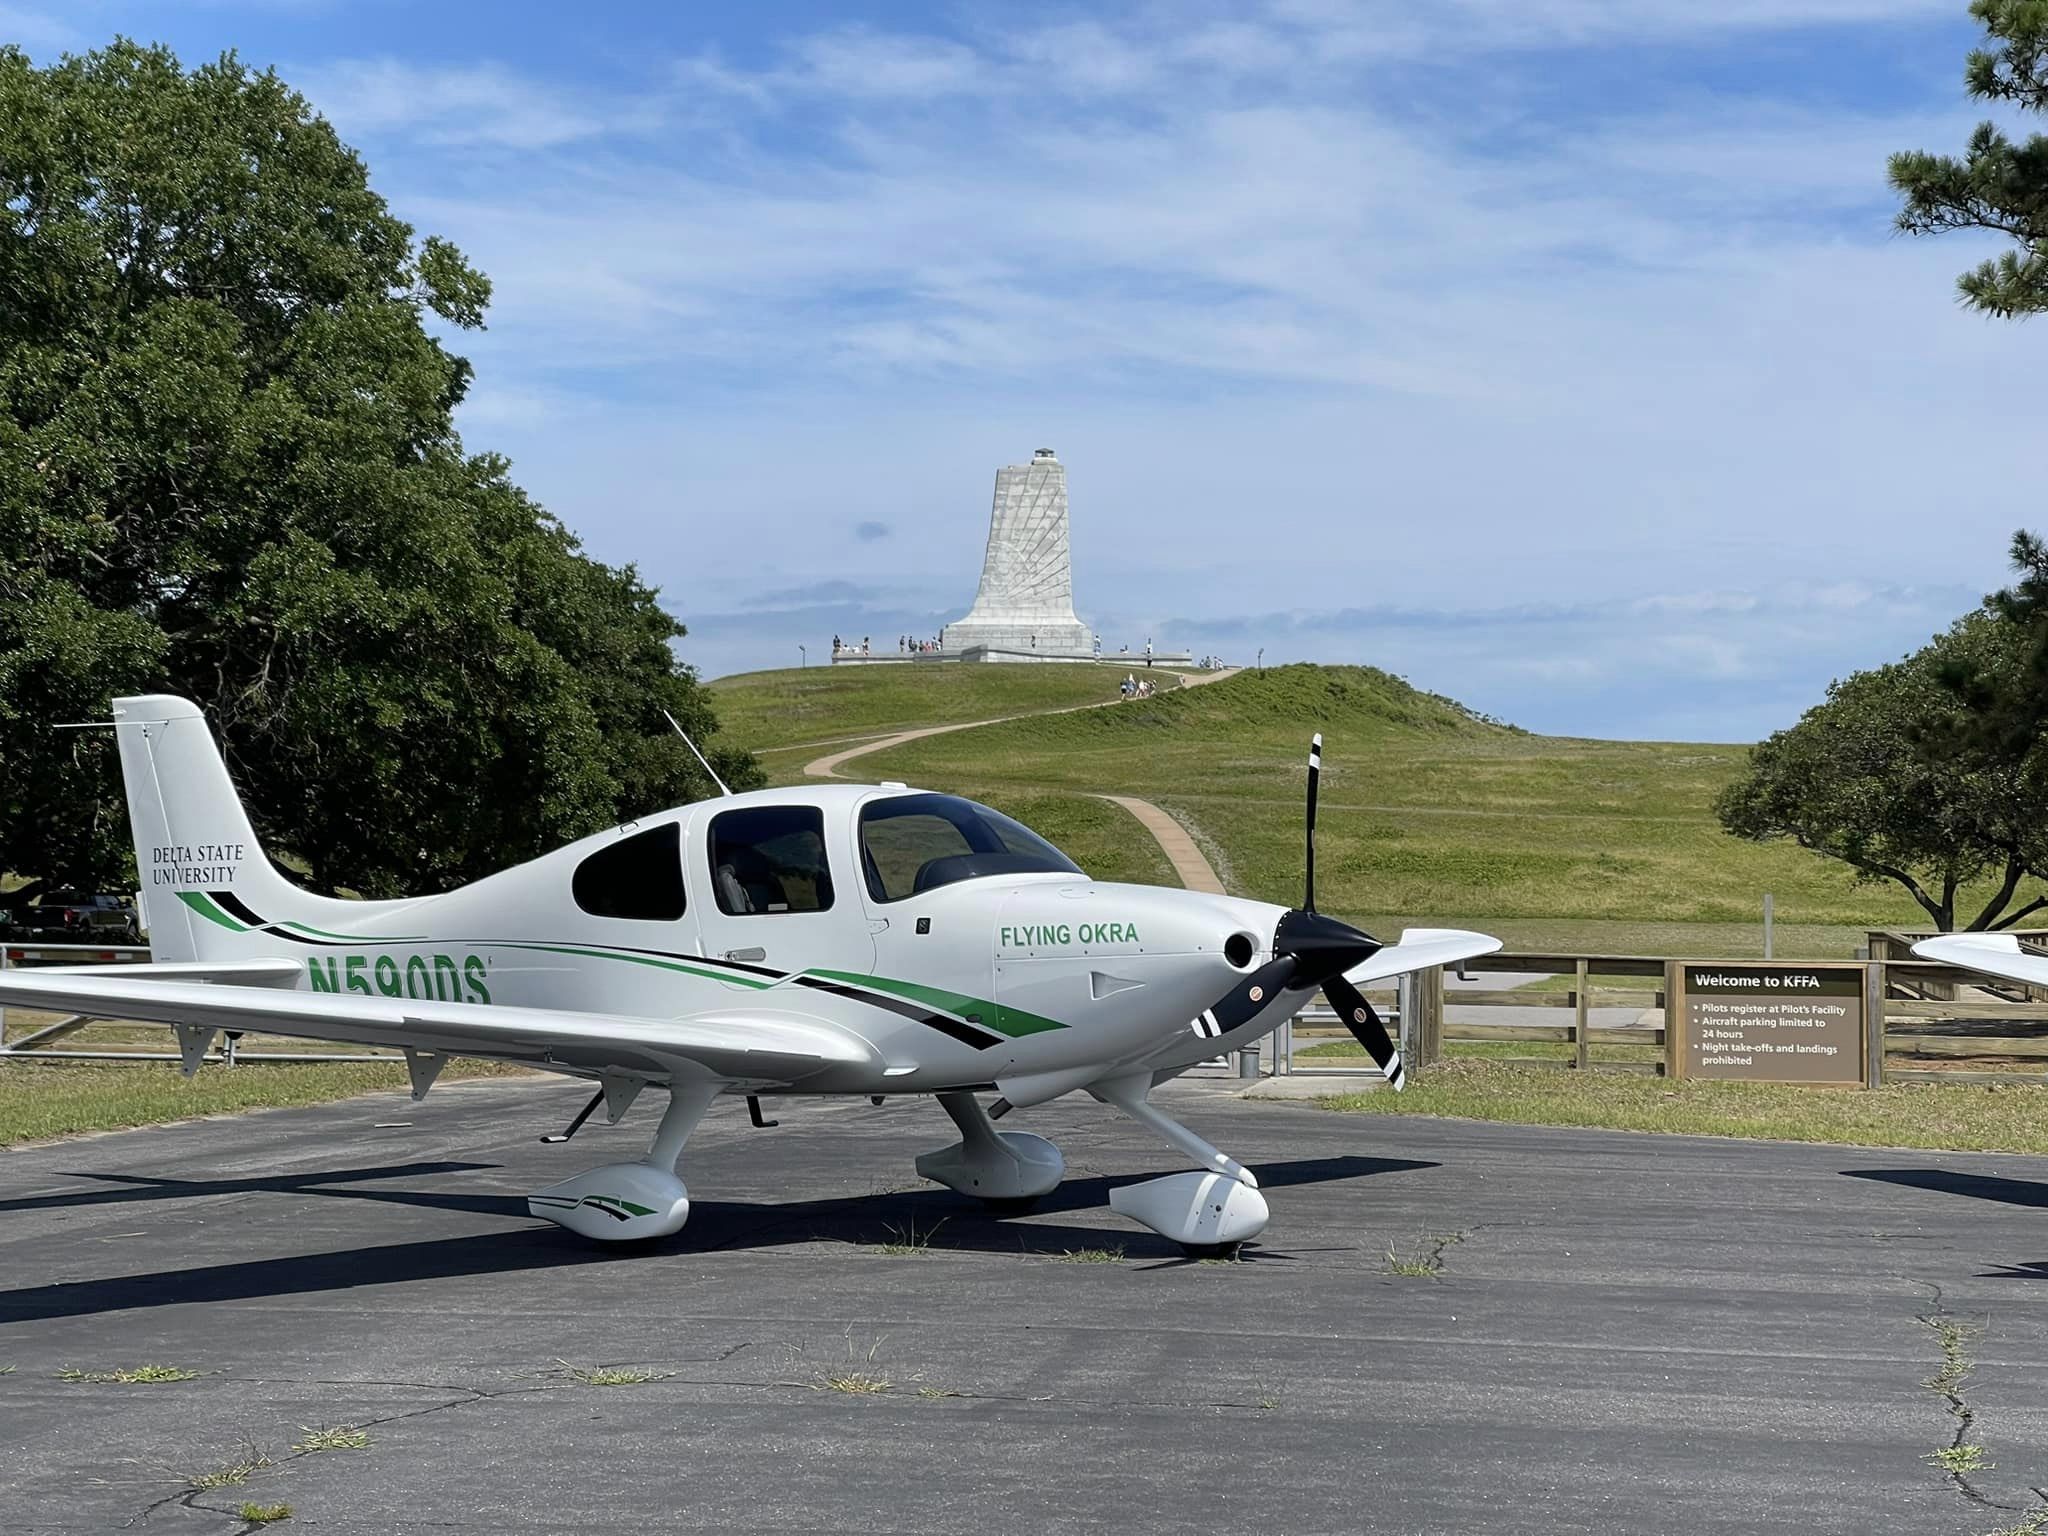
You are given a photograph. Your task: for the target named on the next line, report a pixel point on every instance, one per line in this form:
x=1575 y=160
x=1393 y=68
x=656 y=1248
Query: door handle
x=751 y=952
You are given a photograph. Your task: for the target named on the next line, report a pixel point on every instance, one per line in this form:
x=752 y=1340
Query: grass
x=1960 y=1459
x=341 y=1437
x=906 y=1241
x=2034 y=1523
x=264 y=1514
x=856 y=1383
x=234 y=1474
x=44 y=1099
x=1090 y=1256
x=1430 y=814
x=1422 y=1259
x=131 y=1376
x=608 y=1375
x=772 y=711
x=1942 y=1116
x=859 y=1376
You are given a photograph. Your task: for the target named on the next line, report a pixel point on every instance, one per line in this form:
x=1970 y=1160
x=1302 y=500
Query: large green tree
x=1997 y=185
x=1892 y=776
x=228 y=469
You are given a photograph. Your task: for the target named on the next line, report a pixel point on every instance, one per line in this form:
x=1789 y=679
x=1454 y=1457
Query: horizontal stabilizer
x=1422 y=949
x=1996 y=954
x=737 y=1043
x=280 y=972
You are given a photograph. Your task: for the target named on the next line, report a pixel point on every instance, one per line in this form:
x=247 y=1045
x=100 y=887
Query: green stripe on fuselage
x=1008 y=1021
x=204 y=905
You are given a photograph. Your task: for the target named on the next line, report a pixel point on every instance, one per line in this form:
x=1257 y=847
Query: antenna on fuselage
x=671 y=719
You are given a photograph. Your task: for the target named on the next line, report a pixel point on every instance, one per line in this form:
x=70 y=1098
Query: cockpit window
x=770 y=858
x=910 y=844
x=639 y=877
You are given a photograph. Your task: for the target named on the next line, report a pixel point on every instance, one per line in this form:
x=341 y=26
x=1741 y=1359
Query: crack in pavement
x=1961 y=1456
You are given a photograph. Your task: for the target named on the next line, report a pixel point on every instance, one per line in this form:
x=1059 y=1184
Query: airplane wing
x=753 y=1045
x=1996 y=954
x=1422 y=949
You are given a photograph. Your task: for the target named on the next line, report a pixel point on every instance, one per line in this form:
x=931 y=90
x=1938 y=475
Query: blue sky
x=1557 y=354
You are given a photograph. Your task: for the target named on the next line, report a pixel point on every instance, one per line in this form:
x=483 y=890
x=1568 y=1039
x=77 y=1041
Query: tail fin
x=203 y=877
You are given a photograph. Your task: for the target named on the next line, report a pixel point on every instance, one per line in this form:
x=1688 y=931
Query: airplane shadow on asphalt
x=933 y=1218
x=134 y=1186
x=1978 y=1186
x=1943 y=1181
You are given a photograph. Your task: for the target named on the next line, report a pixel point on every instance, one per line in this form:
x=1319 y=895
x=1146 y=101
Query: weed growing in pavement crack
x=858 y=1377
x=264 y=1514
x=1424 y=1259
x=235 y=1473
x=1960 y=1459
x=906 y=1241
x=131 y=1376
x=608 y=1375
x=340 y=1437
x=2035 y=1523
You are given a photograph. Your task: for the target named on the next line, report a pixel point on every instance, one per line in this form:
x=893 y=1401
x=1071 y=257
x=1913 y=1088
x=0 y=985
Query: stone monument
x=1024 y=610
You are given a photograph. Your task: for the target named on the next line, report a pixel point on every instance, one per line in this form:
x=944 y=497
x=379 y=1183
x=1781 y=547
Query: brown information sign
x=1773 y=1023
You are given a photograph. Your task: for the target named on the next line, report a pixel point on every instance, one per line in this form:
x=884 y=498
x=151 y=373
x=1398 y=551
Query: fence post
x=1674 y=1019
x=1873 y=1023
x=3 y=1006
x=1583 y=1060
x=1429 y=1011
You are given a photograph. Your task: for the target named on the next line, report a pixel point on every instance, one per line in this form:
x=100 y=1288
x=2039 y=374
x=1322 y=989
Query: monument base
x=1061 y=637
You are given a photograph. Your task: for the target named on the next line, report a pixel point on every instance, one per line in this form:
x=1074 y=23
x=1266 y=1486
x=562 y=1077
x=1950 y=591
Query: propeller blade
x=1315 y=780
x=1255 y=993
x=1365 y=1024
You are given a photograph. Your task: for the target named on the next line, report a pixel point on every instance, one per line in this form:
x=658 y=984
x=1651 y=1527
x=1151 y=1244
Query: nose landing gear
x=1218 y=1207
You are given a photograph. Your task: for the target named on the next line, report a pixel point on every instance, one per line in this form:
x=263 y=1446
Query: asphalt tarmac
x=1627 y=1333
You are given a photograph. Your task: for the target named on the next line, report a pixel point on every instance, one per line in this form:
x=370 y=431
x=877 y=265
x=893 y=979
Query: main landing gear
x=626 y=1202
x=1218 y=1206
x=998 y=1166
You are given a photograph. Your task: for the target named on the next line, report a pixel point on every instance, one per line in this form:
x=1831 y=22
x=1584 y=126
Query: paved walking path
x=1180 y=850
x=1188 y=863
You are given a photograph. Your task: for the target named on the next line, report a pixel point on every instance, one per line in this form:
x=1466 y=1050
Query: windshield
x=910 y=844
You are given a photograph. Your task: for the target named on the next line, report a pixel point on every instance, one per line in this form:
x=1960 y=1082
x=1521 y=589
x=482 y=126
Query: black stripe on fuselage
x=959 y=1029
x=235 y=907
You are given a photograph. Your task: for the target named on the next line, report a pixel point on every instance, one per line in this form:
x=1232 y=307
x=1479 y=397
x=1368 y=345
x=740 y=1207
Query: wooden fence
x=1923 y=1021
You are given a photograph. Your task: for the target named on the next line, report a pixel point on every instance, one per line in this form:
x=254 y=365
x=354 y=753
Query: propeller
x=1310 y=951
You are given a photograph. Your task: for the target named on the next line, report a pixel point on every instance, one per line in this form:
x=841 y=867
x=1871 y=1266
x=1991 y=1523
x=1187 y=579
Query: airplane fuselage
x=976 y=982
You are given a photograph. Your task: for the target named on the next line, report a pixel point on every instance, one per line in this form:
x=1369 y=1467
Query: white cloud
x=38 y=31
x=481 y=104
x=1305 y=343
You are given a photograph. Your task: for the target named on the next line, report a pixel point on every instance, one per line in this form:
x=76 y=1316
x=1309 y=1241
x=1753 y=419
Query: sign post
x=1778 y=1022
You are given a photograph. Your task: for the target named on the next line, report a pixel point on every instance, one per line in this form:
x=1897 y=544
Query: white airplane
x=841 y=939
x=1995 y=954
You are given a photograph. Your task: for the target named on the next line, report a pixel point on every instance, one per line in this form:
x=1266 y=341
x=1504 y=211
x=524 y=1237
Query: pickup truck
x=75 y=917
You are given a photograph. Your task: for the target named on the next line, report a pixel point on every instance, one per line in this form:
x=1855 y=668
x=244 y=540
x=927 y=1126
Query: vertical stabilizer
x=202 y=875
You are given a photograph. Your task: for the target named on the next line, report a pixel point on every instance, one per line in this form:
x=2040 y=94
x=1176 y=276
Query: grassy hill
x=770 y=713
x=1430 y=813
